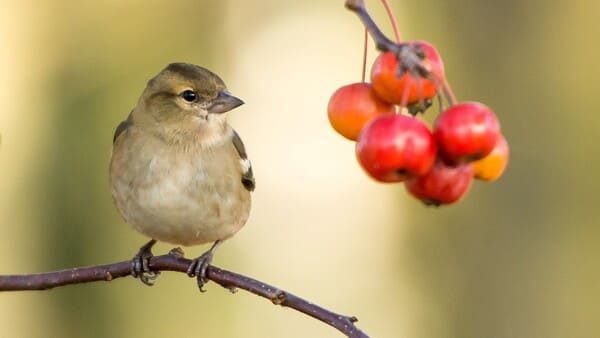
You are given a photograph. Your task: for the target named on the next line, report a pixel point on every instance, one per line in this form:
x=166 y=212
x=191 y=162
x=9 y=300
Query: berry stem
x=448 y=92
x=442 y=86
x=364 y=63
x=393 y=21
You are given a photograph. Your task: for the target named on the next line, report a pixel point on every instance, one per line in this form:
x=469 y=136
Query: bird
x=179 y=173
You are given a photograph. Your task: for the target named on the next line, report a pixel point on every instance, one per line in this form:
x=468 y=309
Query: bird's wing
x=247 y=175
x=122 y=127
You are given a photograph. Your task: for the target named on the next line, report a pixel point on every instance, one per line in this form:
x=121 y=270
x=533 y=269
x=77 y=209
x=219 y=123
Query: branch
x=382 y=42
x=227 y=279
x=409 y=55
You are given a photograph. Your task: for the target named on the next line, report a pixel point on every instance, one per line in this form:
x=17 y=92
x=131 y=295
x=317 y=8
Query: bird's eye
x=189 y=95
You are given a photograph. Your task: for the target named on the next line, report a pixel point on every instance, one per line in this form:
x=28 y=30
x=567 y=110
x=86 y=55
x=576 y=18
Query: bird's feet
x=140 y=264
x=199 y=265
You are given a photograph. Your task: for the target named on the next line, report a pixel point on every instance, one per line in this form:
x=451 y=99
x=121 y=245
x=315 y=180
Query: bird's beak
x=224 y=103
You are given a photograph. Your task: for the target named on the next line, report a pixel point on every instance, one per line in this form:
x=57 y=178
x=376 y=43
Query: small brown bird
x=179 y=173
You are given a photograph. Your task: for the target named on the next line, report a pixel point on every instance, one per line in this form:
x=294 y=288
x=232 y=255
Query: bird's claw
x=140 y=265
x=199 y=266
x=198 y=269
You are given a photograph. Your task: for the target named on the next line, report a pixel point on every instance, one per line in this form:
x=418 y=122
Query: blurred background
x=515 y=258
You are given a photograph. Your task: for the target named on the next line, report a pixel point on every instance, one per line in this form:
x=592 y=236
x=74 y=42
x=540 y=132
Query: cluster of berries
x=394 y=145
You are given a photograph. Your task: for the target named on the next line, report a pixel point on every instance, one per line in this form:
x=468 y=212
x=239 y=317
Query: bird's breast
x=181 y=197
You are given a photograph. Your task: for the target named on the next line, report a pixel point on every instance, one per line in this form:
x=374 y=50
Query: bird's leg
x=199 y=265
x=140 y=264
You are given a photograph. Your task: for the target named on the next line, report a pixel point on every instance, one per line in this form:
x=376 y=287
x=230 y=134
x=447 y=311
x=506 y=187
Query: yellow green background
x=515 y=259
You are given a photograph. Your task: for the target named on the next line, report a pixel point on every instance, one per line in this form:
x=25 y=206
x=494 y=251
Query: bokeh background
x=516 y=258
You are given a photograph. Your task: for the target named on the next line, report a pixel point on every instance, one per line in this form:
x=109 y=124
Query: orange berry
x=352 y=106
x=491 y=167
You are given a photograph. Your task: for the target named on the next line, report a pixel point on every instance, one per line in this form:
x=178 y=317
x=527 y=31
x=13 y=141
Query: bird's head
x=184 y=97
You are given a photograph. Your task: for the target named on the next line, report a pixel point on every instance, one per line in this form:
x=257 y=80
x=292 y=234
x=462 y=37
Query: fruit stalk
x=365 y=48
x=392 y=18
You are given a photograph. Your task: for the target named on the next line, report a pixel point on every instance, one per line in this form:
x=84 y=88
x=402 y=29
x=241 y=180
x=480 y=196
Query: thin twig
x=382 y=42
x=409 y=55
x=227 y=279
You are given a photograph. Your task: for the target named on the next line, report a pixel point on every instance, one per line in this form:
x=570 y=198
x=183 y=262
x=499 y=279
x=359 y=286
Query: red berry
x=352 y=106
x=466 y=132
x=391 y=88
x=392 y=148
x=444 y=184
